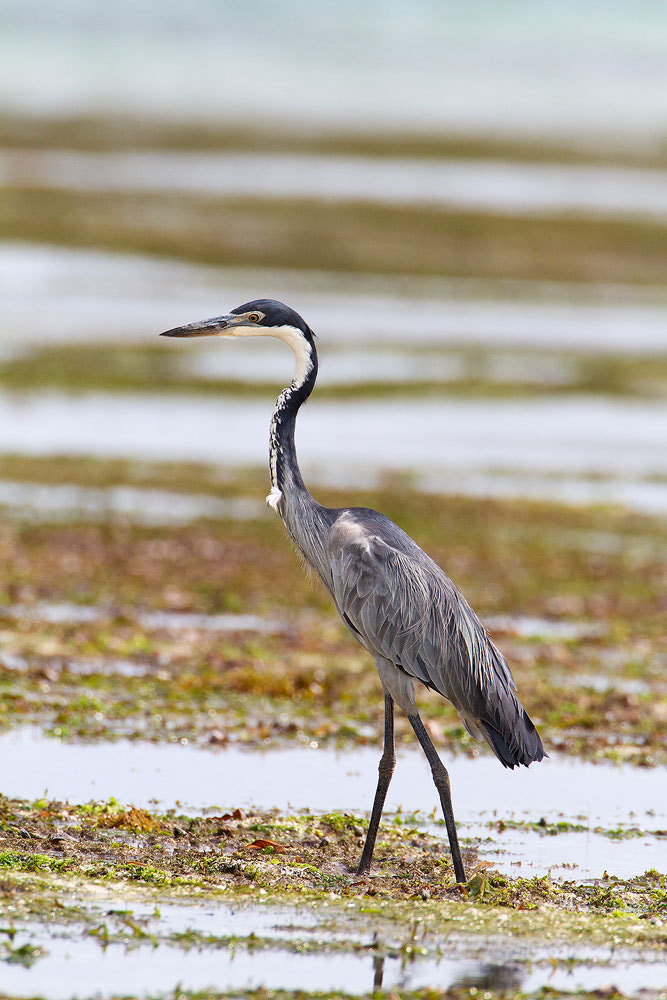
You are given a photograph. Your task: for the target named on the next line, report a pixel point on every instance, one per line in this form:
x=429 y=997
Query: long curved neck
x=307 y=522
x=285 y=473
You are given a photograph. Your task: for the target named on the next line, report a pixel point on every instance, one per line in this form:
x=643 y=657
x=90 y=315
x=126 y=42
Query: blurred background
x=467 y=201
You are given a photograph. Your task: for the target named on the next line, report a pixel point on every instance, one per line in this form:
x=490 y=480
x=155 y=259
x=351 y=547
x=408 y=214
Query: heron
x=394 y=599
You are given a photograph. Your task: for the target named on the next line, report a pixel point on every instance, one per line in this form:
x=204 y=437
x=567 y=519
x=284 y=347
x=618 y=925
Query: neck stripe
x=282 y=454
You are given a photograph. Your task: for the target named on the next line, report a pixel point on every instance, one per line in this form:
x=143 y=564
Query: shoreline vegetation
x=343 y=236
x=118 y=132
x=548 y=562
x=291 y=856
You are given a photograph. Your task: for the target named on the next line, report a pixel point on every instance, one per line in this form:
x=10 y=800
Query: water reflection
x=378 y=972
x=492 y=976
x=499 y=977
x=68 y=964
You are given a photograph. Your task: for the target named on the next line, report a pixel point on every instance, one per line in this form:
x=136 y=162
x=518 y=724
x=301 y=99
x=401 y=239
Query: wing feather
x=405 y=609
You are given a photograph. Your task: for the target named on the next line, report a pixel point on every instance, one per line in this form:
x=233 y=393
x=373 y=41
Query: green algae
x=342 y=237
x=83 y=470
x=244 y=689
x=116 y=676
x=535 y=555
x=538 y=559
x=116 y=132
x=410 y=909
x=298 y=856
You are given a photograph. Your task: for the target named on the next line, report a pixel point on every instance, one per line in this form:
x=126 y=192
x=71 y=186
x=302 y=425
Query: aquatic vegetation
x=296 y=854
x=113 y=671
x=113 y=132
x=341 y=236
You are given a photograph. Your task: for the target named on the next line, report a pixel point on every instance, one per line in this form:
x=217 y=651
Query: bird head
x=259 y=318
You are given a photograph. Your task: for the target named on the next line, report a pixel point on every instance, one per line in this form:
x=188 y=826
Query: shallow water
x=89 y=295
x=643 y=496
x=606 y=450
x=546 y=71
x=518 y=625
x=78 y=967
x=321 y=779
x=543 y=628
x=604 y=683
x=168 y=620
x=572 y=435
x=64 y=501
x=505 y=187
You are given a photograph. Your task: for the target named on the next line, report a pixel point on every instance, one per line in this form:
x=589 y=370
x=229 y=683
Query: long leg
x=385 y=771
x=441 y=779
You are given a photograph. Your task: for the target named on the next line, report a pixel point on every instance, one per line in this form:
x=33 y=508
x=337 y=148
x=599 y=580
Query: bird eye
x=253 y=317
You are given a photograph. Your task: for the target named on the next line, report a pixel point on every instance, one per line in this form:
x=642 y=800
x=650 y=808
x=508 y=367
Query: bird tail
x=516 y=743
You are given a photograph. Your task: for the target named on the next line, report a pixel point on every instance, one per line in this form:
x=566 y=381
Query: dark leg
x=441 y=779
x=386 y=769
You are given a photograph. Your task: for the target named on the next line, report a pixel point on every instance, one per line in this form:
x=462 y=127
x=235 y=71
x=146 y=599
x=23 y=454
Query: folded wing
x=401 y=606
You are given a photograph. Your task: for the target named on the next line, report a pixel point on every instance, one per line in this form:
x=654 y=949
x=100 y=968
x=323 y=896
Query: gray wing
x=402 y=607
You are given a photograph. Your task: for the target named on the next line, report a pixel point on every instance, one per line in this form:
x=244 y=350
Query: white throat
x=294 y=339
x=300 y=349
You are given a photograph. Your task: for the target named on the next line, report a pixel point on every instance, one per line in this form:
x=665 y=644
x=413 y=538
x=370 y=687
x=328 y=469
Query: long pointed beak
x=206 y=328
